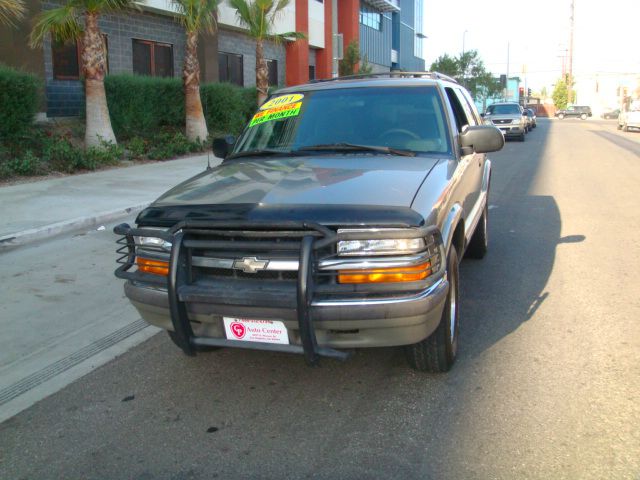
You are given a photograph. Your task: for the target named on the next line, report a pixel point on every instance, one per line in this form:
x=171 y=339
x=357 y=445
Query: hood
x=299 y=185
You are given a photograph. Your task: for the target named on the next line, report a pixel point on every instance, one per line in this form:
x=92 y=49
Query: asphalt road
x=547 y=384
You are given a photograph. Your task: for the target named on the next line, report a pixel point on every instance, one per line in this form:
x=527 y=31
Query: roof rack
x=434 y=75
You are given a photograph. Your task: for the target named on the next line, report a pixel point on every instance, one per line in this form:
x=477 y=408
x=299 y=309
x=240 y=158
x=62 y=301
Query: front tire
x=583 y=116
x=561 y=116
x=437 y=352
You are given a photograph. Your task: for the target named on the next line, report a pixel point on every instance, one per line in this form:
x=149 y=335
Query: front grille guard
x=311 y=237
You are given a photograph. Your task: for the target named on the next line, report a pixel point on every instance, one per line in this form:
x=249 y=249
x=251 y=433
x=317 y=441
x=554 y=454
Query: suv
x=574 y=111
x=629 y=116
x=336 y=221
x=509 y=117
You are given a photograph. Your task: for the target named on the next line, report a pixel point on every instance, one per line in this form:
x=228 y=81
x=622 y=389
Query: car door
x=472 y=165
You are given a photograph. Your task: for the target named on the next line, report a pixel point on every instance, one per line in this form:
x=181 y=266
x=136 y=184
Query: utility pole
x=570 y=77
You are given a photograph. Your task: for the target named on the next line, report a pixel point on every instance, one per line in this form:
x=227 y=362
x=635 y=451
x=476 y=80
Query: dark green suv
x=578 y=111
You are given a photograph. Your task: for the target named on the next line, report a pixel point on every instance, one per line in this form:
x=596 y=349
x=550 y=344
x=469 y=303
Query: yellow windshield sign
x=281 y=101
x=283 y=111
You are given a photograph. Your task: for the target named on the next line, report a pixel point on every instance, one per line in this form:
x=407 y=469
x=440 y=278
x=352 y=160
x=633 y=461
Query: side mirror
x=481 y=139
x=222 y=146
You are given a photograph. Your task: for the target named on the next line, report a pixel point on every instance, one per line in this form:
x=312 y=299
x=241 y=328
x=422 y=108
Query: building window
x=312 y=72
x=230 y=68
x=370 y=17
x=272 y=68
x=66 y=58
x=152 y=58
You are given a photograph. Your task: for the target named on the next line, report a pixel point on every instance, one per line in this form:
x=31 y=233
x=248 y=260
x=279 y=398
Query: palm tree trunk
x=195 y=122
x=262 y=75
x=98 y=123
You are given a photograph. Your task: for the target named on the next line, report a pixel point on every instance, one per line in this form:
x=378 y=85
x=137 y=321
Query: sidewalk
x=37 y=210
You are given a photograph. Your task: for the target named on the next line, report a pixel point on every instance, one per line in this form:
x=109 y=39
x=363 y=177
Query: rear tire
x=479 y=243
x=437 y=352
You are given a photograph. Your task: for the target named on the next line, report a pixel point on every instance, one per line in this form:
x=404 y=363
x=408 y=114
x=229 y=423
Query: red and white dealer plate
x=248 y=330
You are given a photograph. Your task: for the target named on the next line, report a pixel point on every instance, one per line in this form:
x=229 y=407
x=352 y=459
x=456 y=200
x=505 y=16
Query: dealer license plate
x=248 y=330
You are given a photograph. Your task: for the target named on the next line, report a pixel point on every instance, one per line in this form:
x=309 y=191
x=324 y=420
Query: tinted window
x=507 y=109
x=405 y=118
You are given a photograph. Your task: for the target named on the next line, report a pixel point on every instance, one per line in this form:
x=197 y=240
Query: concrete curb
x=33 y=234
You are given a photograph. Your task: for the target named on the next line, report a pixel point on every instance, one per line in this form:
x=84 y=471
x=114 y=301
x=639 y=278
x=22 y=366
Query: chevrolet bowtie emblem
x=250 y=264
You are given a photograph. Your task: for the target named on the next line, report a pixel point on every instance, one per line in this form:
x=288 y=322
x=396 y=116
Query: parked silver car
x=509 y=117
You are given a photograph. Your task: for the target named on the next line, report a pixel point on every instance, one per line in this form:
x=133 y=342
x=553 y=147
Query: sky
x=534 y=36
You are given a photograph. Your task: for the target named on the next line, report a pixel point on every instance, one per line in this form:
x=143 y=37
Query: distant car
x=629 y=117
x=509 y=118
x=530 y=118
x=535 y=117
x=611 y=114
x=578 y=111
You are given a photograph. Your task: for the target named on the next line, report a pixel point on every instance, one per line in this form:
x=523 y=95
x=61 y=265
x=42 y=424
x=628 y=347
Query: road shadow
x=507 y=287
x=627 y=144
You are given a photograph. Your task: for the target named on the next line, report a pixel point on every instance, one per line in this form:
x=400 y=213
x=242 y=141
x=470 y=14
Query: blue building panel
x=396 y=32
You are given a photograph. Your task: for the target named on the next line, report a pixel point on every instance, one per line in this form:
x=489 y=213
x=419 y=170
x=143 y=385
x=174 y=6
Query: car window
x=466 y=106
x=503 y=109
x=409 y=118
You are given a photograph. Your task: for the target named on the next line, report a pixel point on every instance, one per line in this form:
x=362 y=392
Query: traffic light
x=528 y=92
x=521 y=92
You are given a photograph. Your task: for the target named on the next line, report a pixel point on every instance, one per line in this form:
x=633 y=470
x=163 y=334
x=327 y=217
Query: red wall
x=298 y=51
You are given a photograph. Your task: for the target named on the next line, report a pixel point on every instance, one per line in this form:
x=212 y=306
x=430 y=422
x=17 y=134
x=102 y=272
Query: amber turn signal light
x=382 y=275
x=157 y=267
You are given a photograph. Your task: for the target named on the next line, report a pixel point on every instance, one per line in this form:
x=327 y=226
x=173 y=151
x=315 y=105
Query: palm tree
x=196 y=16
x=258 y=17
x=11 y=10
x=64 y=24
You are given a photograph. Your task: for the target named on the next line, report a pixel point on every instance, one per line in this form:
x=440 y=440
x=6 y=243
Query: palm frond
x=62 y=23
x=244 y=13
x=104 y=6
x=287 y=37
x=11 y=10
x=197 y=15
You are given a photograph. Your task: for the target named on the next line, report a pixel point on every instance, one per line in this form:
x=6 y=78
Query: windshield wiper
x=261 y=152
x=352 y=147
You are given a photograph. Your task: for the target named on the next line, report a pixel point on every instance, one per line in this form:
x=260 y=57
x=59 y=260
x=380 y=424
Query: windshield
x=503 y=110
x=406 y=118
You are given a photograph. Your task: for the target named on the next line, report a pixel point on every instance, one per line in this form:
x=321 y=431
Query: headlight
x=516 y=121
x=414 y=259
x=153 y=243
x=152 y=255
x=385 y=246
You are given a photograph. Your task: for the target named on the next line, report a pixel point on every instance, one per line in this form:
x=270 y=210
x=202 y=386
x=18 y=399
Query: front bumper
x=512 y=130
x=347 y=324
x=319 y=316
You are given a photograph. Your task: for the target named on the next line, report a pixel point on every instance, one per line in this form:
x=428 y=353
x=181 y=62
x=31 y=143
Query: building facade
x=149 y=41
x=391 y=34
